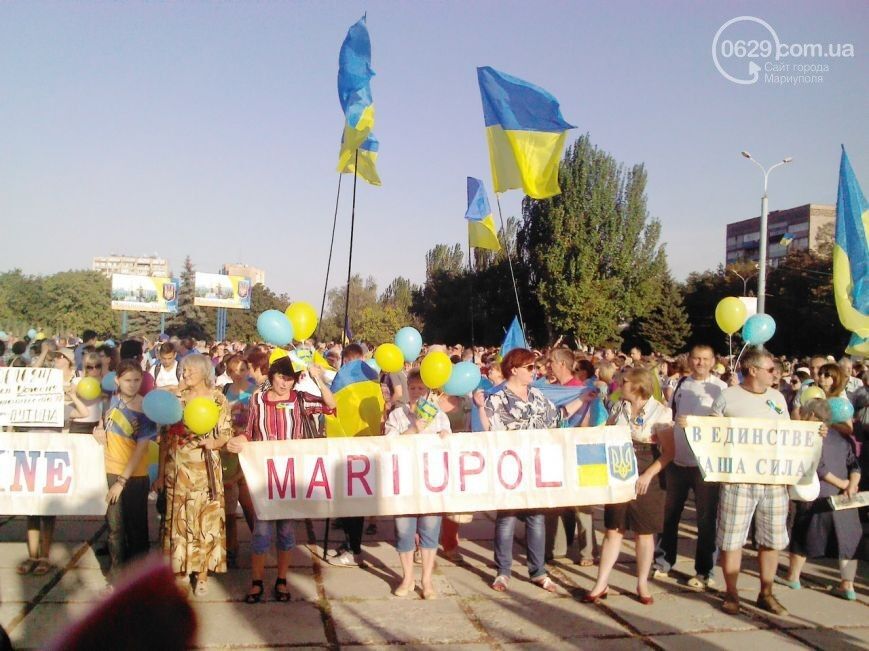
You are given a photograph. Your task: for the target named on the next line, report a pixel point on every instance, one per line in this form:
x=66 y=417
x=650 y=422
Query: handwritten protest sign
x=753 y=450
x=426 y=474
x=51 y=473
x=31 y=397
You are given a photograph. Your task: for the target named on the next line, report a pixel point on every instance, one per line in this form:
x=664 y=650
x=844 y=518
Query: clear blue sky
x=212 y=129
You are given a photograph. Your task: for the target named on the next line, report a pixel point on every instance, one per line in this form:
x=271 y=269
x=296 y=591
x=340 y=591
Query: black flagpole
x=510 y=264
x=329 y=263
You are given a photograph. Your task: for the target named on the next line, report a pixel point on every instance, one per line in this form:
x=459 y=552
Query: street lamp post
x=744 y=279
x=761 y=272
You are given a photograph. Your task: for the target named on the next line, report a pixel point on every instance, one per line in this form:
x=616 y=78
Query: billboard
x=144 y=293
x=218 y=290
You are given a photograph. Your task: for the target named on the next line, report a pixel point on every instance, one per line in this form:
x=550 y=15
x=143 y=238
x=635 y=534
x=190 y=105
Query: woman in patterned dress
x=194 y=533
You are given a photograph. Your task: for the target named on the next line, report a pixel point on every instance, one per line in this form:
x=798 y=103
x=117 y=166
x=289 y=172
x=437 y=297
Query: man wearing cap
x=88 y=338
x=693 y=396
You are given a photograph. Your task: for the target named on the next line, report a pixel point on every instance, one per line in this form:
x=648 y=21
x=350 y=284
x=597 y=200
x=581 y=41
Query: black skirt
x=645 y=513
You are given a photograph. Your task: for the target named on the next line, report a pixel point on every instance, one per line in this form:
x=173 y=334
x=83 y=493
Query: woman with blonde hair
x=651 y=428
x=194 y=533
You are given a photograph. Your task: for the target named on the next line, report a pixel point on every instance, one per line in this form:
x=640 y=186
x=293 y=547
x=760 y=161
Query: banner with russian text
x=31 y=397
x=754 y=450
x=51 y=473
x=480 y=471
x=218 y=290
x=144 y=293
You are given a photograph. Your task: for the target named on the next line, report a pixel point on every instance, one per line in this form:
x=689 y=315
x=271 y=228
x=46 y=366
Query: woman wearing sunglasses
x=519 y=406
x=86 y=414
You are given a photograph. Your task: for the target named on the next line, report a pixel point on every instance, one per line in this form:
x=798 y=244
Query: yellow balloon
x=303 y=317
x=89 y=388
x=201 y=415
x=389 y=358
x=276 y=354
x=435 y=369
x=730 y=314
x=812 y=393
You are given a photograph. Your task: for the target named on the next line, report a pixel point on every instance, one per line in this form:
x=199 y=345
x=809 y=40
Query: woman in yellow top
x=194 y=531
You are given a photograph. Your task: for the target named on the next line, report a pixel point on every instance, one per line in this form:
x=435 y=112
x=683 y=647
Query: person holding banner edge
x=753 y=398
x=277 y=414
x=519 y=406
x=651 y=428
x=419 y=416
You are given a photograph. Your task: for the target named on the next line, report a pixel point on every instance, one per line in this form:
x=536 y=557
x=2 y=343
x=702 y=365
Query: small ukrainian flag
x=591 y=464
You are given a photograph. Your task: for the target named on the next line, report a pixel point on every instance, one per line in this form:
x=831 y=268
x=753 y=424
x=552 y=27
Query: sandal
x=254 y=597
x=500 y=583
x=546 y=583
x=26 y=566
x=281 y=595
x=42 y=567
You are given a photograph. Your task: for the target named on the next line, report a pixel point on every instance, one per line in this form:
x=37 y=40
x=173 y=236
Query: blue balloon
x=275 y=328
x=153 y=471
x=464 y=379
x=31 y=334
x=758 y=329
x=841 y=410
x=409 y=342
x=162 y=407
x=110 y=382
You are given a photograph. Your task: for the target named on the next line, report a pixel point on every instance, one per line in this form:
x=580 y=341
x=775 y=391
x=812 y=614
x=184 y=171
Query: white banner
x=754 y=450
x=31 y=397
x=51 y=473
x=481 y=471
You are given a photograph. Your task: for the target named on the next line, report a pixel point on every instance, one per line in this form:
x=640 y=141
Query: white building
x=257 y=276
x=149 y=265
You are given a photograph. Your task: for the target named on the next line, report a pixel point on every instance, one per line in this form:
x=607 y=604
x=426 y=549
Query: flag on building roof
x=525 y=131
x=482 y=233
x=786 y=239
x=354 y=91
x=851 y=258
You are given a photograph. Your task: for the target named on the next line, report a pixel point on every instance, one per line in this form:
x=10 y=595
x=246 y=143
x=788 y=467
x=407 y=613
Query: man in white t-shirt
x=754 y=398
x=166 y=372
x=693 y=396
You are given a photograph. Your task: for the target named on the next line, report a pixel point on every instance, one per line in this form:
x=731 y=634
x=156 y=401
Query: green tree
x=363 y=293
x=190 y=320
x=592 y=252
x=665 y=329
x=399 y=293
x=444 y=258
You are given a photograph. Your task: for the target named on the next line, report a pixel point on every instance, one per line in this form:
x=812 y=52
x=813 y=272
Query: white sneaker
x=701 y=582
x=346 y=559
x=660 y=574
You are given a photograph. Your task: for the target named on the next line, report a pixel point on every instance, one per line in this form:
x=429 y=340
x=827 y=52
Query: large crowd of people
x=200 y=484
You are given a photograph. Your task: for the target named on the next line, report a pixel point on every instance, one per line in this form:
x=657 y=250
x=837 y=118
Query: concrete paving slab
x=475 y=583
x=264 y=624
x=606 y=644
x=44 y=622
x=78 y=585
x=8 y=612
x=729 y=640
x=812 y=608
x=400 y=621
x=354 y=583
x=678 y=614
x=843 y=639
x=19 y=589
x=301 y=556
x=548 y=621
x=235 y=584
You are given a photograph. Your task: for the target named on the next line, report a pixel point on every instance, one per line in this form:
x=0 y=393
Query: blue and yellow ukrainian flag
x=851 y=259
x=591 y=464
x=354 y=91
x=481 y=226
x=359 y=401
x=786 y=239
x=525 y=132
x=366 y=163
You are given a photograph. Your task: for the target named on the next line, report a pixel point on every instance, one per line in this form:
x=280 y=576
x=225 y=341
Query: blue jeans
x=407 y=526
x=535 y=541
x=261 y=539
x=680 y=480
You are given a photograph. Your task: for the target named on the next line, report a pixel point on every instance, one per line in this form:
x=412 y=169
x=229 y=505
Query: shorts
x=739 y=502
